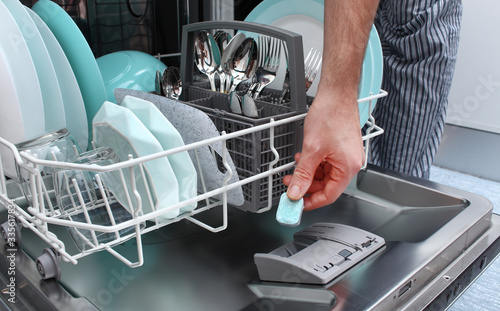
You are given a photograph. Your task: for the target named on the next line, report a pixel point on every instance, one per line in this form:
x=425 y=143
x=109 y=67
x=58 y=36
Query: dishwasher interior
x=436 y=237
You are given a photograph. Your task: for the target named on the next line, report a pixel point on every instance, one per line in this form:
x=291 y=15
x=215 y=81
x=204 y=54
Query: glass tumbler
x=55 y=146
x=81 y=199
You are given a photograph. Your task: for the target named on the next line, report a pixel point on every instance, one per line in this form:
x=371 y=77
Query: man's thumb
x=302 y=178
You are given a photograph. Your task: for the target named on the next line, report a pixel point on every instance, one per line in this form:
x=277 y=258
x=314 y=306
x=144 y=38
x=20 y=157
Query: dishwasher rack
x=42 y=215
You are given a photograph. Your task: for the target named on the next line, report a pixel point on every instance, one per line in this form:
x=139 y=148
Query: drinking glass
x=82 y=199
x=55 y=146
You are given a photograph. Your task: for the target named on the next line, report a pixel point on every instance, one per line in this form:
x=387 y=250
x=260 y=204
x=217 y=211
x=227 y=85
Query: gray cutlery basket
x=251 y=153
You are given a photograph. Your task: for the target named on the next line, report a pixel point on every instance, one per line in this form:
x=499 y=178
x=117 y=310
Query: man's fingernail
x=294 y=192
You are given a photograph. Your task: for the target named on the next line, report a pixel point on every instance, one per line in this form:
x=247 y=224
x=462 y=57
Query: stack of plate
x=50 y=78
x=42 y=89
x=138 y=128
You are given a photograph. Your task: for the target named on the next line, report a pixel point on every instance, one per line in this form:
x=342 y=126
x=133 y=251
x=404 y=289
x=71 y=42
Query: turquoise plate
x=305 y=17
x=74 y=108
x=78 y=53
x=132 y=70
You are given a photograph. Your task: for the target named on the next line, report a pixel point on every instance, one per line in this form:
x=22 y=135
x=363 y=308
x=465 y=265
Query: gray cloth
x=419 y=42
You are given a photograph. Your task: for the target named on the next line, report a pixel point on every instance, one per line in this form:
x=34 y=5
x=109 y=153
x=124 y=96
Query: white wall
x=474 y=100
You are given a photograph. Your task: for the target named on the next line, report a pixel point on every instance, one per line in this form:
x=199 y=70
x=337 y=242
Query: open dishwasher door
x=437 y=240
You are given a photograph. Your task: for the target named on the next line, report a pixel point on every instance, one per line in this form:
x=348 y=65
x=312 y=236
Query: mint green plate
x=132 y=70
x=74 y=108
x=79 y=55
x=169 y=138
x=118 y=128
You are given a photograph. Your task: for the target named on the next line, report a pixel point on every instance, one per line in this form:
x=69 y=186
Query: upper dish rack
x=251 y=153
x=42 y=217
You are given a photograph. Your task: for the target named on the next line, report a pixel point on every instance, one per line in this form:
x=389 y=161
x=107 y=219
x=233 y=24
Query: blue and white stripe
x=420 y=42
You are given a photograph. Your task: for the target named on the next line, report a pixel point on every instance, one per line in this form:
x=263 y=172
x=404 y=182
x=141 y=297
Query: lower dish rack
x=42 y=215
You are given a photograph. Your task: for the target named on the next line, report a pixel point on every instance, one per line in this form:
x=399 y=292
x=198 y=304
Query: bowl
x=133 y=70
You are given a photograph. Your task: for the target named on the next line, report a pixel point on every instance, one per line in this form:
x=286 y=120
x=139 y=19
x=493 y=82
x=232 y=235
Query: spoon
x=222 y=38
x=242 y=66
x=227 y=55
x=245 y=105
x=248 y=106
x=207 y=56
x=235 y=103
x=172 y=83
x=244 y=62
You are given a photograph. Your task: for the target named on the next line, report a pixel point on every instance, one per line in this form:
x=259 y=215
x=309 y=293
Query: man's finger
x=302 y=176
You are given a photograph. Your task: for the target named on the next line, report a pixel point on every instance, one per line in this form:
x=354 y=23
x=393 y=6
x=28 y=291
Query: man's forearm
x=332 y=150
x=347 y=28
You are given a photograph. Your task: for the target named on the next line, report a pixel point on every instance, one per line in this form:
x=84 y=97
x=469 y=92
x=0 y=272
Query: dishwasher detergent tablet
x=289 y=212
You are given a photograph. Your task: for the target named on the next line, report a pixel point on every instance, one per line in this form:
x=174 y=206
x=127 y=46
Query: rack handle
x=293 y=42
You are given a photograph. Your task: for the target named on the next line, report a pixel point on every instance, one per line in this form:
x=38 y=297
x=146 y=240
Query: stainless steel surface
x=312 y=63
x=479 y=158
x=158 y=84
x=235 y=103
x=427 y=227
x=451 y=273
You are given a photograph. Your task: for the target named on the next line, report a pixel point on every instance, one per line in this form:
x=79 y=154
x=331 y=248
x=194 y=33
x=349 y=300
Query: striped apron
x=419 y=42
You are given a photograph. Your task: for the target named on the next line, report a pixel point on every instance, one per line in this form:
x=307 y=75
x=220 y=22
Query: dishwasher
x=390 y=242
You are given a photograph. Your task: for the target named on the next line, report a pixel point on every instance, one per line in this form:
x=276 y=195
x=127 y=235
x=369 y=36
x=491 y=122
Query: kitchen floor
x=483 y=294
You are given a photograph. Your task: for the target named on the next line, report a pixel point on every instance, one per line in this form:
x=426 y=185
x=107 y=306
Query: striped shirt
x=419 y=42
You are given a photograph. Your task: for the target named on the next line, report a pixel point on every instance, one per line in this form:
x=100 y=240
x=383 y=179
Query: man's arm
x=332 y=151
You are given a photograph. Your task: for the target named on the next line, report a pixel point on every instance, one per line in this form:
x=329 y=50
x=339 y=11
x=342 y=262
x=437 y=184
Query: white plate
x=305 y=17
x=79 y=55
x=21 y=106
x=74 y=108
x=169 y=138
x=118 y=128
x=51 y=94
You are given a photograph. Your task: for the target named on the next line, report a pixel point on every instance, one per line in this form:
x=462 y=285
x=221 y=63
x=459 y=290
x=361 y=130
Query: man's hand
x=332 y=151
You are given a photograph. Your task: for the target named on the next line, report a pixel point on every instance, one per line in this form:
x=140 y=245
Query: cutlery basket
x=251 y=153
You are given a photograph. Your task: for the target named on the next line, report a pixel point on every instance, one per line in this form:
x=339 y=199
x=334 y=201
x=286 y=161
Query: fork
x=269 y=62
x=312 y=64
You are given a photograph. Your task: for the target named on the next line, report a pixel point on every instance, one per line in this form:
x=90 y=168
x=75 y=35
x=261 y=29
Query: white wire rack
x=42 y=214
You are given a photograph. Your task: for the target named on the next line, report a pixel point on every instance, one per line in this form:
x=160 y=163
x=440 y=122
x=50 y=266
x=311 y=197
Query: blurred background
x=151 y=26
